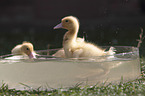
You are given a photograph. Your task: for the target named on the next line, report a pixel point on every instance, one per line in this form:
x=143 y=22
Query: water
x=58 y=72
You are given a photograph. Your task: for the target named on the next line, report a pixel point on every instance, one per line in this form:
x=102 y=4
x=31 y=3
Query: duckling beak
x=32 y=55
x=58 y=26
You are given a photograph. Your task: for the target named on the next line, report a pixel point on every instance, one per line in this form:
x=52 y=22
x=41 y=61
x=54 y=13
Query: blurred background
x=103 y=22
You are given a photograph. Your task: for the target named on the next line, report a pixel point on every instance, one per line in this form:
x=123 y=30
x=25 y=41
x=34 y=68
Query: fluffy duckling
x=26 y=48
x=73 y=48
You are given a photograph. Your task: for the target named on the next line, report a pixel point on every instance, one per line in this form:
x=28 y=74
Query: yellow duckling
x=26 y=48
x=72 y=47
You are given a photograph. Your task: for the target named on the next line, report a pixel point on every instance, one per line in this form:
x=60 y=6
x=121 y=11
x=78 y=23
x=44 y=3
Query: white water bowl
x=50 y=72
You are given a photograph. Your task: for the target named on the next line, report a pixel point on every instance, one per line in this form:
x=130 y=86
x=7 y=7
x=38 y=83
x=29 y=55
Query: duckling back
x=90 y=49
x=17 y=50
x=82 y=49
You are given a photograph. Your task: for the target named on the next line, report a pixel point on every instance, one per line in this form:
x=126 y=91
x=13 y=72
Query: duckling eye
x=27 y=48
x=66 y=20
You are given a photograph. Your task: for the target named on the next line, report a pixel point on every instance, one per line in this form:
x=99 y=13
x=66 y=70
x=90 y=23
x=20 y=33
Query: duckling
x=61 y=53
x=26 y=48
x=73 y=48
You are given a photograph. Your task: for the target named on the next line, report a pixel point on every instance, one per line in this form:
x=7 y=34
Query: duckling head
x=27 y=48
x=70 y=23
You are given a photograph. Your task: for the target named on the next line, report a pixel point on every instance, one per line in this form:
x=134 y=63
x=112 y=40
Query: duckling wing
x=91 y=50
x=86 y=50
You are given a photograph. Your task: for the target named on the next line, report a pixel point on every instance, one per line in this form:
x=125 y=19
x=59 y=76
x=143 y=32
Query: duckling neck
x=70 y=36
